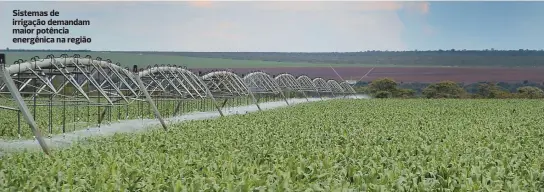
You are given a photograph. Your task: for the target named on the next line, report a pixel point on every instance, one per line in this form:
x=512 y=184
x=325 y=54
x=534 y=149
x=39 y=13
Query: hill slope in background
x=146 y=59
x=439 y=58
x=451 y=58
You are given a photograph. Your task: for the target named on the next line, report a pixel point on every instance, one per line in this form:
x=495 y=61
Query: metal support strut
x=22 y=107
x=150 y=100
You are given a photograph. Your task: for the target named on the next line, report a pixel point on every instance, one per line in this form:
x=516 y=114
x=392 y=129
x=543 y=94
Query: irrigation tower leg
x=178 y=106
x=254 y=100
x=284 y=98
x=217 y=106
x=22 y=107
x=224 y=102
x=209 y=93
x=305 y=96
x=150 y=100
x=319 y=95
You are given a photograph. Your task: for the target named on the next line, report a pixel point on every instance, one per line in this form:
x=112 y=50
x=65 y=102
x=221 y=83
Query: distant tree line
x=388 y=88
x=452 y=57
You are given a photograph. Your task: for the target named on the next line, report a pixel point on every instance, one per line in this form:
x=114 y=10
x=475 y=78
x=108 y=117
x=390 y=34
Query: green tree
x=383 y=88
x=491 y=91
x=388 y=88
x=384 y=84
x=530 y=92
x=444 y=89
x=405 y=93
x=383 y=94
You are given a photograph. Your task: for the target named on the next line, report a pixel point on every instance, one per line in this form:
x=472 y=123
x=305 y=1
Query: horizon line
x=415 y=50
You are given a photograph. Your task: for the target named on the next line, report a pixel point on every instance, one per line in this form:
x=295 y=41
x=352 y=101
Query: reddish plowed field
x=414 y=74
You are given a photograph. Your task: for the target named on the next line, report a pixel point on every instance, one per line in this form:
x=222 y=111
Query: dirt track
x=409 y=74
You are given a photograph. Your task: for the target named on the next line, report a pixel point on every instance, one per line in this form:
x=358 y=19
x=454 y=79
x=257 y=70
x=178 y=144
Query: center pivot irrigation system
x=68 y=92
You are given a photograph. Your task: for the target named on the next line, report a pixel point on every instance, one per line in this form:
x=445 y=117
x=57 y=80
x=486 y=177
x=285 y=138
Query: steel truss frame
x=50 y=76
x=308 y=85
x=288 y=82
x=260 y=83
x=347 y=88
x=76 y=80
x=322 y=86
x=226 y=85
x=335 y=87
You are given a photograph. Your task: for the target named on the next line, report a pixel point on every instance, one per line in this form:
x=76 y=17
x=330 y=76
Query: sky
x=280 y=26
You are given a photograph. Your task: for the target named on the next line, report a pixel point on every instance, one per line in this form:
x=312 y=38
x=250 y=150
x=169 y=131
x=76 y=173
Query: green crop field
x=144 y=60
x=340 y=145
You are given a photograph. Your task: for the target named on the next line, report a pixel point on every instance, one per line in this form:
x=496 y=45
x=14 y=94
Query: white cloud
x=300 y=26
x=235 y=26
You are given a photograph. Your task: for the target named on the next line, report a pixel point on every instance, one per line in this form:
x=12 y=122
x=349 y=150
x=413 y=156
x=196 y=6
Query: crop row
x=59 y=119
x=372 y=145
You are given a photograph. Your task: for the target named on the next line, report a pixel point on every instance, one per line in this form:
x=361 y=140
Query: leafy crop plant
x=339 y=145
